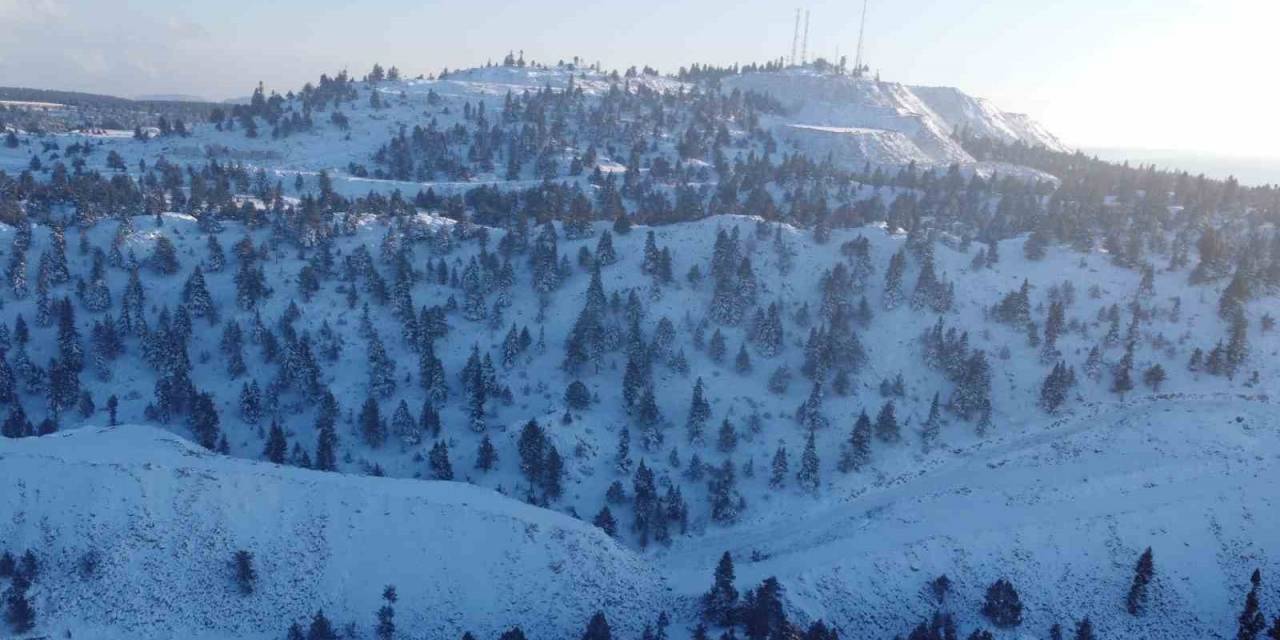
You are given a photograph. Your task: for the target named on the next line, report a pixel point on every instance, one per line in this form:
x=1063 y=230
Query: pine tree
x=1122 y=375
x=644 y=501
x=438 y=461
x=742 y=362
x=405 y=426
x=1053 y=392
x=1002 y=605
x=604 y=520
x=386 y=627
x=719 y=604
x=1142 y=575
x=326 y=435
x=716 y=347
x=532 y=447
x=1084 y=630
x=1251 y=621
x=650 y=419
x=857 y=452
x=932 y=426
x=622 y=457
x=972 y=397
x=382 y=370
x=727 y=439
x=778 y=478
x=699 y=413
x=598 y=626
x=553 y=474
x=809 y=414
x=321 y=628
x=577 y=396
x=486 y=455
x=195 y=295
x=893 y=294
x=204 y=421
x=246 y=575
x=372 y=427
x=18 y=610
x=250 y=402
x=807 y=476
x=762 y=611
x=1274 y=632
x=277 y=446
x=887 y=429
x=726 y=504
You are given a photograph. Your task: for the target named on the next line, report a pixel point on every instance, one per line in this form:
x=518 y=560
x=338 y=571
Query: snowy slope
x=980 y=117
x=165 y=516
x=1027 y=495
x=1063 y=510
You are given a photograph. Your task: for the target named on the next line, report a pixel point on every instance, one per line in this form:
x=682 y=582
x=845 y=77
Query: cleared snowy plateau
x=1061 y=505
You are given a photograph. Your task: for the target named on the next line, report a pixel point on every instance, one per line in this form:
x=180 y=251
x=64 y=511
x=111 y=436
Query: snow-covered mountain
x=651 y=323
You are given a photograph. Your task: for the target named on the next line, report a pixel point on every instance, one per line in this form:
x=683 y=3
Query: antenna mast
x=862 y=28
x=804 y=48
x=795 y=38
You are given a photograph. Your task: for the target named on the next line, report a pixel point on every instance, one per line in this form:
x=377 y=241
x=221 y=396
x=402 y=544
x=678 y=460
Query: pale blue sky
x=1174 y=74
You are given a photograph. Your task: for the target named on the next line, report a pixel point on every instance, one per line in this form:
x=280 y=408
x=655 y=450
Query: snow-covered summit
x=865 y=120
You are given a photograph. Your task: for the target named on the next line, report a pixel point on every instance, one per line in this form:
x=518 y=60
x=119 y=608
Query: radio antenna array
x=795 y=39
x=804 y=48
x=862 y=28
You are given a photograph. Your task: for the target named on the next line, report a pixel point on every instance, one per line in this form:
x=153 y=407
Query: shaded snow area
x=160 y=518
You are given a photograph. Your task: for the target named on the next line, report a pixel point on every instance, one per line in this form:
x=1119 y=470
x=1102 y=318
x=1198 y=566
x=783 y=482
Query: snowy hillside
x=1070 y=505
x=138 y=529
x=859 y=121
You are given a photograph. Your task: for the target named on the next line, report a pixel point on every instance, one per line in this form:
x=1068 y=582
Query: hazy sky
x=1169 y=74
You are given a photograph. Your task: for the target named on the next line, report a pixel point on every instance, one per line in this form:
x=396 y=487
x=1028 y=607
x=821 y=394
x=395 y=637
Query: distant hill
x=170 y=97
x=98 y=110
x=79 y=99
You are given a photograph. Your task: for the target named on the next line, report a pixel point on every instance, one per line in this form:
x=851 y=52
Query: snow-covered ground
x=1063 y=510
